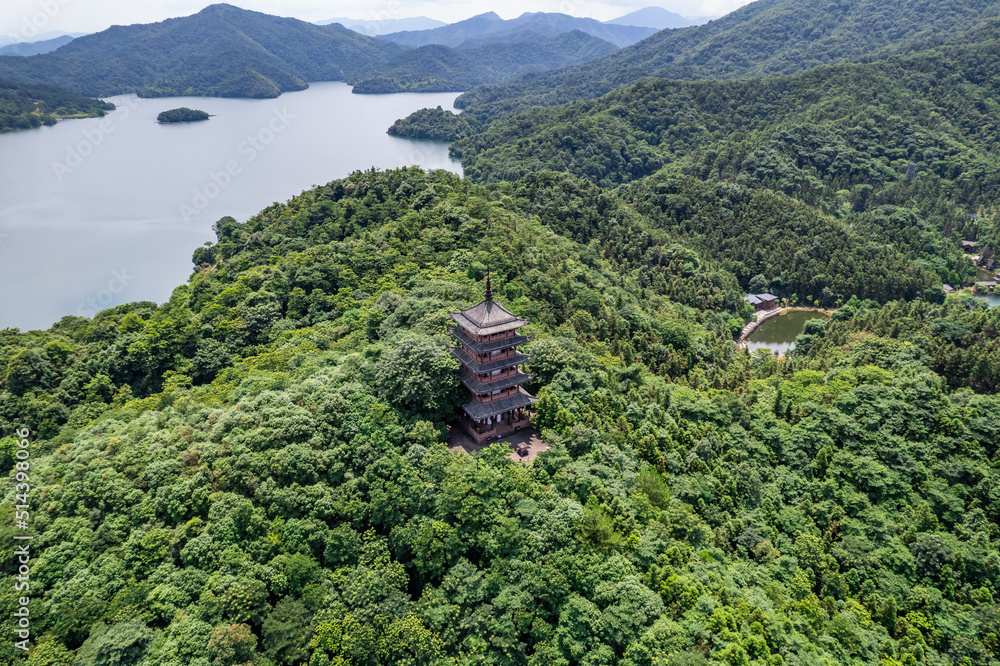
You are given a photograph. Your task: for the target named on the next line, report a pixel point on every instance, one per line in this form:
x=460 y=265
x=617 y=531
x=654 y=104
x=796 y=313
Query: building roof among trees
x=757 y=299
x=488 y=316
x=475 y=366
x=487 y=347
x=477 y=386
x=479 y=411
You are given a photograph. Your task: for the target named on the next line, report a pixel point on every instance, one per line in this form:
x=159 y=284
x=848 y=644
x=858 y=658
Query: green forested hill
x=230 y=52
x=433 y=124
x=826 y=130
x=253 y=472
x=762 y=38
x=437 y=68
x=220 y=51
x=899 y=145
x=27 y=106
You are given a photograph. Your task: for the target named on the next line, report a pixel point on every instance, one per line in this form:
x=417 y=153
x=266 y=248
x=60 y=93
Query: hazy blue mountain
x=7 y=40
x=220 y=51
x=376 y=27
x=762 y=38
x=490 y=27
x=655 y=17
x=35 y=48
x=439 y=68
x=225 y=51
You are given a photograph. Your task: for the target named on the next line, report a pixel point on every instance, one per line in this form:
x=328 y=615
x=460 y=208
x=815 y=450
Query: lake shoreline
x=751 y=328
x=123 y=195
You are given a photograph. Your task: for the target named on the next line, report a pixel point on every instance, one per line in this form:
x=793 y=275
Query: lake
x=993 y=301
x=778 y=333
x=99 y=212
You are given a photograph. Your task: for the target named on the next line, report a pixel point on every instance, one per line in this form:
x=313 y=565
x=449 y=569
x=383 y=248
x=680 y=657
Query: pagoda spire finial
x=489 y=286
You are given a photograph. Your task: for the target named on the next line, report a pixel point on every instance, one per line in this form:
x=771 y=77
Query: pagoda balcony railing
x=482 y=428
x=503 y=395
x=477 y=344
x=488 y=358
x=482 y=411
x=506 y=379
x=478 y=367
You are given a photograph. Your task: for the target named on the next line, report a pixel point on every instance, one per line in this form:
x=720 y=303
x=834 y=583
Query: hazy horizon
x=24 y=20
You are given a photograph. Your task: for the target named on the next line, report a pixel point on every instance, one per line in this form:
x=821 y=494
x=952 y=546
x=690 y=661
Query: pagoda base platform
x=523 y=445
x=484 y=433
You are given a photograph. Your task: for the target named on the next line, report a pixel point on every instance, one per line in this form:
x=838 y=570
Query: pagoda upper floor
x=487 y=320
x=485 y=344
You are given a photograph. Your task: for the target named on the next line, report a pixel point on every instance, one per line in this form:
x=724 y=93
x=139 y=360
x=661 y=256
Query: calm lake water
x=778 y=333
x=99 y=212
x=993 y=301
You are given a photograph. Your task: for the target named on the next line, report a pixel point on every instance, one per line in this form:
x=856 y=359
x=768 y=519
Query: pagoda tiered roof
x=477 y=386
x=480 y=411
x=488 y=317
x=487 y=347
x=477 y=368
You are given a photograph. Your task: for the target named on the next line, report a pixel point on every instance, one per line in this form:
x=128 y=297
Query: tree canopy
x=255 y=471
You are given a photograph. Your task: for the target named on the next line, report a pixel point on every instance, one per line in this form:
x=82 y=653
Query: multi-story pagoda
x=488 y=353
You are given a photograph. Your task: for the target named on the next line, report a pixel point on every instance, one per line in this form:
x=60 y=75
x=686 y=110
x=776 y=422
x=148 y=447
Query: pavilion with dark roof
x=761 y=301
x=489 y=340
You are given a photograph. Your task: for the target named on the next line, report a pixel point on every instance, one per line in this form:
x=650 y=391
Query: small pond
x=778 y=333
x=993 y=301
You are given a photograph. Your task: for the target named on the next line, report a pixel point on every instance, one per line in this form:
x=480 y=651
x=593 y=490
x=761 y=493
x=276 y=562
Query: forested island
x=27 y=106
x=182 y=115
x=433 y=124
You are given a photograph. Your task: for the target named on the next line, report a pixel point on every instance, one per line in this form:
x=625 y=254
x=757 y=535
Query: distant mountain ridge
x=220 y=51
x=226 y=51
x=438 y=68
x=490 y=26
x=655 y=17
x=35 y=48
x=375 y=27
x=759 y=39
x=7 y=40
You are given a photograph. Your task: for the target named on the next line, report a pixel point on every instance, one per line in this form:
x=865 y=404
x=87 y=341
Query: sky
x=25 y=19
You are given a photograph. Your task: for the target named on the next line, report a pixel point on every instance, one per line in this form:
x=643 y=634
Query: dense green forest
x=182 y=115
x=256 y=471
x=253 y=472
x=27 y=106
x=437 y=68
x=815 y=133
x=894 y=159
x=762 y=38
